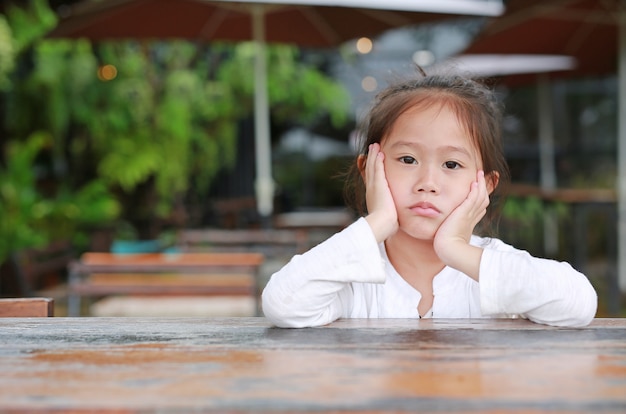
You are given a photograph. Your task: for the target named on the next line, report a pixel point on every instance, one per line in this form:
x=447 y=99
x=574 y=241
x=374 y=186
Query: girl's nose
x=426 y=181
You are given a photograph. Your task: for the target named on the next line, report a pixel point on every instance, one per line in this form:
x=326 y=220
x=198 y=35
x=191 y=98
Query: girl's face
x=430 y=164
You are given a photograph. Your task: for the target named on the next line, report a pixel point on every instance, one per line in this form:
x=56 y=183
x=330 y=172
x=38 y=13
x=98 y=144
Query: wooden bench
x=564 y=195
x=269 y=242
x=334 y=220
x=26 y=307
x=164 y=274
x=316 y=225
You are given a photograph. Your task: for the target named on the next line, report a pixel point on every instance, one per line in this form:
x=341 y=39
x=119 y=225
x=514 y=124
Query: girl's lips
x=425 y=209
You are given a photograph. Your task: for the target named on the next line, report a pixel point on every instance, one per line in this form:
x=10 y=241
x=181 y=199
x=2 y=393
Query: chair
x=26 y=307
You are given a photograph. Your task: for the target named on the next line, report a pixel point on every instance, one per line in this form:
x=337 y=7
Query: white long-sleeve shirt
x=349 y=276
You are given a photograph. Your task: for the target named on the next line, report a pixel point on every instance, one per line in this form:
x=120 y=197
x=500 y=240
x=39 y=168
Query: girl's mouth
x=425 y=209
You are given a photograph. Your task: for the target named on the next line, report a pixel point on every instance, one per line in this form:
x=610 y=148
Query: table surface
x=245 y=364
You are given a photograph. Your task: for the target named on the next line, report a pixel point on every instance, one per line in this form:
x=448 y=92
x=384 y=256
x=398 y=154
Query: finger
x=370 y=166
x=477 y=200
x=483 y=194
x=380 y=168
x=377 y=168
x=375 y=178
x=478 y=188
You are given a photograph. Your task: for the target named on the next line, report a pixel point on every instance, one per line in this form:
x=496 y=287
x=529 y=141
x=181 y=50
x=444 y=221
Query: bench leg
x=73 y=299
x=73 y=305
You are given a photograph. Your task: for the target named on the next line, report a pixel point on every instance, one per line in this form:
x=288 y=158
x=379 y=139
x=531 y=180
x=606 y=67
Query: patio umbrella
x=591 y=31
x=308 y=23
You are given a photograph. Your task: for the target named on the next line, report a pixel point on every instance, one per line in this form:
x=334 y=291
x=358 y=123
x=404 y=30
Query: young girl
x=432 y=157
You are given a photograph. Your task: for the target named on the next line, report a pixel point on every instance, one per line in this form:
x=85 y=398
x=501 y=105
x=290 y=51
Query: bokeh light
x=364 y=45
x=107 y=72
x=369 y=84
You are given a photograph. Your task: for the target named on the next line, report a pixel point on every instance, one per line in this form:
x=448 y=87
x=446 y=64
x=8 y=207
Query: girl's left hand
x=455 y=232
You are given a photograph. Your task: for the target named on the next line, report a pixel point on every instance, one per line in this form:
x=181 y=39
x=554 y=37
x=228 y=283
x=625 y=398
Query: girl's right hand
x=382 y=216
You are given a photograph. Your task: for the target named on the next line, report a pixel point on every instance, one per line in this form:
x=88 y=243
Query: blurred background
x=124 y=142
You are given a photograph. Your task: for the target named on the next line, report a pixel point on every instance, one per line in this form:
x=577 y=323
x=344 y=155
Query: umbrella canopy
x=584 y=29
x=591 y=31
x=310 y=23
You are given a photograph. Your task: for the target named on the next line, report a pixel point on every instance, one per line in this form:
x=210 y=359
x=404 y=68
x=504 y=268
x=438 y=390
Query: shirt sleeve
x=314 y=288
x=545 y=291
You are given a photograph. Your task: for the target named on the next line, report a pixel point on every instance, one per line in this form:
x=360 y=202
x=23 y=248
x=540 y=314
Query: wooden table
x=243 y=364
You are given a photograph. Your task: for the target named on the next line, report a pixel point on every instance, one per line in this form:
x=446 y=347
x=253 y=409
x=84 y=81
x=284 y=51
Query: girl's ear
x=492 y=179
x=360 y=163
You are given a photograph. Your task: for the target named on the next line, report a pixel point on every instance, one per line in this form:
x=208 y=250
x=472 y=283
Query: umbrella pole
x=621 y=152
x=264 y=184
x=546 y=158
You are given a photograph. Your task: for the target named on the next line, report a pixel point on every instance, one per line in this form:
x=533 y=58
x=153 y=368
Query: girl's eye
x=408 y=160
x=453 y=165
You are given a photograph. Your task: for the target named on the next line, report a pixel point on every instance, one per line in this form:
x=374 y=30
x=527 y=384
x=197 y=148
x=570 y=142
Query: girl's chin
x=425 y=233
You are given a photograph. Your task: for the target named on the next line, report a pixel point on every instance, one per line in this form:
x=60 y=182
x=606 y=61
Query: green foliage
x=21 y=207
x=529 y=210
x=149 y=122
x=522 y=223
x=296 y=90
x=525 y=211
x=30 y=22
x=30 y=219
x=154 y=123
x=7 y=53
x=167 y=118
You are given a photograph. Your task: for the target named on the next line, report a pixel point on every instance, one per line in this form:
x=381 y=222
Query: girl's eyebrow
x=452 y=148
x=446 y=149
